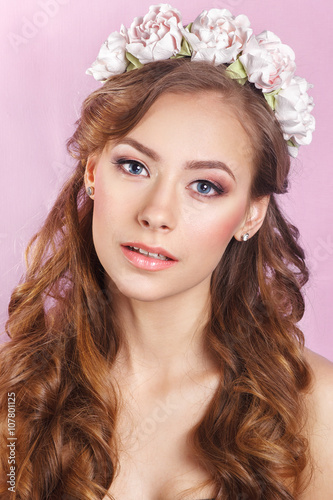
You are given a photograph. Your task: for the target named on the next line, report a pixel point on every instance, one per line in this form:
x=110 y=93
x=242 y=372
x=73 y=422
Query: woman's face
x=177 y=185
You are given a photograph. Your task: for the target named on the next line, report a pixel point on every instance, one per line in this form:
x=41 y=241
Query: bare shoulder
x=319 y=403
x=320 y=396
x=318 y=362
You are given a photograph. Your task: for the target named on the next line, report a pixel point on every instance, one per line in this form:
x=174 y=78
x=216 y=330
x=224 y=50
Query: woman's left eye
x=132 y=167
x=207 y=188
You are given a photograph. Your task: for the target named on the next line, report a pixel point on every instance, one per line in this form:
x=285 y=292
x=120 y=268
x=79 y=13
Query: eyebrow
x=189 y=166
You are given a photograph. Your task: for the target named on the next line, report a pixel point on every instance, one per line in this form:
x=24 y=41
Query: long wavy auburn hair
x=65 y=337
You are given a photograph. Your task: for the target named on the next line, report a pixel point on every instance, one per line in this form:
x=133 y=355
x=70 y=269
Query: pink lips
x=146 y=262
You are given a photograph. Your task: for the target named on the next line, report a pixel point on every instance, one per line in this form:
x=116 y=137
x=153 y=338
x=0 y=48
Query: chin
x=138 y=291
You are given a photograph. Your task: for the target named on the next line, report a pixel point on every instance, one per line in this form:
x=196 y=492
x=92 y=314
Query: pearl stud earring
x=90 y=190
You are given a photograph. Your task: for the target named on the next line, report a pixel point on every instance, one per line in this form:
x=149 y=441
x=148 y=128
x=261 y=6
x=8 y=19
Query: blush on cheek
x=221 y=231
x=234 y=221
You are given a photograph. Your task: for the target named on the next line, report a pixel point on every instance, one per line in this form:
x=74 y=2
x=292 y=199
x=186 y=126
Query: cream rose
x=293 y=107
x=157 y=36
x=111 y=58
x=268 y=63
x=218 y=36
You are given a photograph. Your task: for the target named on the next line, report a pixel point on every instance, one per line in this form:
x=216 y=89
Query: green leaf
x=185 y=48
x=236 y=71
x=134 y=62
x=292 y=144
x=270 y=98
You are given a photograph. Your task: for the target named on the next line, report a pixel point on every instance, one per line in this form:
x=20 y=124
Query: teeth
x=155 y=255
x=150 y=254
x=143 y=251
x=162 y=257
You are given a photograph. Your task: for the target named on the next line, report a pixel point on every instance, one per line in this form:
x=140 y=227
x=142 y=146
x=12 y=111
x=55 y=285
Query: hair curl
x=62 y=325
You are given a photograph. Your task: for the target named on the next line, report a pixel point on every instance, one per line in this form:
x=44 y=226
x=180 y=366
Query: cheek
x=109 y=203
x=105 y=213
x=215 y=229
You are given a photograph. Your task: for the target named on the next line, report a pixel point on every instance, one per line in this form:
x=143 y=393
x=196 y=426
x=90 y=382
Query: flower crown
x=218 y=37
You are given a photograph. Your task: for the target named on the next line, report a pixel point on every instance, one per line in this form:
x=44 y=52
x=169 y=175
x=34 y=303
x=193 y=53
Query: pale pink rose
x=268 y=63
x=157 y=36
x=218 y=36
x=293 y=107
x=111 y=58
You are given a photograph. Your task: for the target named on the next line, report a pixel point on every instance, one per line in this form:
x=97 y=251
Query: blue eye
x=204 y=187
x=132 y=167
x=207 y=188
x=135 y=168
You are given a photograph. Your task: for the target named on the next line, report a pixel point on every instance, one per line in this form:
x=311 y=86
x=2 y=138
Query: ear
x=254 y=218
x=89 y=174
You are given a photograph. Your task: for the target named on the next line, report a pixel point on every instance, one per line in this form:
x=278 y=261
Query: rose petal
x=293 y=108
x=111 y=58
x=218 y=36
x=269 y=64
x=156 y=36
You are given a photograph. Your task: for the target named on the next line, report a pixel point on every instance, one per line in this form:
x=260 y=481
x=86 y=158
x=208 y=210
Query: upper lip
x=149 y=249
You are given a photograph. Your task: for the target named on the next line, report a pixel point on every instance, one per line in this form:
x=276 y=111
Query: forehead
x=203 y=125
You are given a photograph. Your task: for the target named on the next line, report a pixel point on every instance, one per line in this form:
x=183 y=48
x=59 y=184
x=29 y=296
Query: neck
x=164 y=337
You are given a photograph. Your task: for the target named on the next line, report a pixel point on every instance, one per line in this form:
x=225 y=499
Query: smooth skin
x=179 y=181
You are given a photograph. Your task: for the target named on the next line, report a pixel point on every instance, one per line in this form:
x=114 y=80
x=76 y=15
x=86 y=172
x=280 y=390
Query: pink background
x=46 y=46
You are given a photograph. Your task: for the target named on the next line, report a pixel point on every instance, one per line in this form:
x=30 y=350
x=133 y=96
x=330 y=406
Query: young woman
x=154 y=348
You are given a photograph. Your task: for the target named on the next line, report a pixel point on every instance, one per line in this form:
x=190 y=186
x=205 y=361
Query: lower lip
x=147 y=263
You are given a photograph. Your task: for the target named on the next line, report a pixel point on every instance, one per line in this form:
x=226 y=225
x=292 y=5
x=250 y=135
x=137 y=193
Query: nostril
x=153 y=221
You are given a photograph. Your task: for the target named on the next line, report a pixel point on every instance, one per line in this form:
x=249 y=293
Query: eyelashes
x=203 y=187
x=132 y=167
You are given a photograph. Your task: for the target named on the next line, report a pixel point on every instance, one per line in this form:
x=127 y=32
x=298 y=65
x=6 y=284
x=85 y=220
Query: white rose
x=157 y=36
x=111 y=58
x=293 y=108
x=268 y=63
x=218 y=36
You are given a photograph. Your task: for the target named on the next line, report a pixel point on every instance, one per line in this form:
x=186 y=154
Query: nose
x=158 y=211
